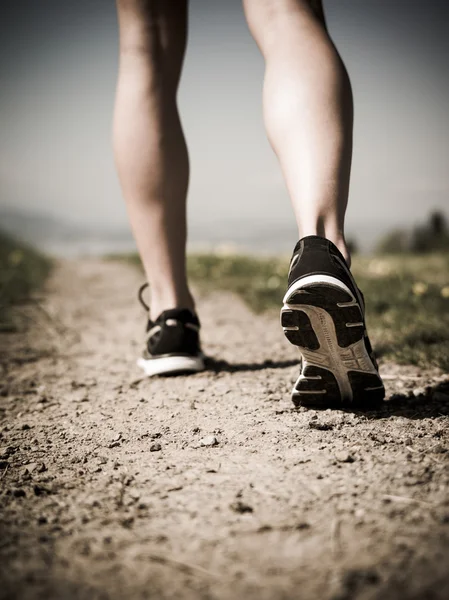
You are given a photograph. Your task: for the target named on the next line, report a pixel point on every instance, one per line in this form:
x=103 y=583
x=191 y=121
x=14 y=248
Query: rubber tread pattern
x=327 y=297
x=329 y=399
x=305 y=335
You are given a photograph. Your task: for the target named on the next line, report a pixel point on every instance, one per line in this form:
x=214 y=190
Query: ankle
x=168 y=299
x=336 y=236
x=343 y=247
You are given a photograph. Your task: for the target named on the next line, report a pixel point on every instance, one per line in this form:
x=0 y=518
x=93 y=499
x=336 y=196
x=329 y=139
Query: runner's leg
x=308 y=111
x=150 y=149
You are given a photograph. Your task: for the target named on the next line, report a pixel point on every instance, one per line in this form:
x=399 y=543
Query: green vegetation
x=407 y=300
x=431 y=236
x=22 y=270
x=407 y=297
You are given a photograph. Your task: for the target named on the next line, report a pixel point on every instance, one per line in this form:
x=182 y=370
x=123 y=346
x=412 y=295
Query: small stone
x=114 y=444
x=40 y=490
x=344 y=456
x=439 y=449
x=302 y=526
x=355 y=579
x=155 y=447
x=128 y=522
x=25 y=426
x=6 y=451
x=320 y=426
x=37 y=467
x=420 y=391
x=134 y=494
x=240 y=507
x=209 y=440
x=43 y=539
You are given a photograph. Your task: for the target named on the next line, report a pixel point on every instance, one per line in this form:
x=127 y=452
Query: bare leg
x=150 y=149
x=308 y=111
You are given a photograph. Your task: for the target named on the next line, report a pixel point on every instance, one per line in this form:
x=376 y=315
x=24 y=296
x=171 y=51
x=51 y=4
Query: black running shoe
x=324 y=315
x=172 y=342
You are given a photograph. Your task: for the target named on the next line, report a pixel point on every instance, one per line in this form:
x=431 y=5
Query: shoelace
x=140 y=297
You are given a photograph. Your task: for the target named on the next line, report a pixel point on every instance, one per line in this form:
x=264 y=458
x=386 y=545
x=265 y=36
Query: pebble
x=241 y=507
x=6 y=451
x=155 y=447
x=320 y=426
x=344 y=456
x=419 y=392
x=439 y=449
x=37 y=467
x=209 y=440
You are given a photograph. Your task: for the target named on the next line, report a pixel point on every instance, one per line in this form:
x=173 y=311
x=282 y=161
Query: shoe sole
x=324 y=320
x=171 y=365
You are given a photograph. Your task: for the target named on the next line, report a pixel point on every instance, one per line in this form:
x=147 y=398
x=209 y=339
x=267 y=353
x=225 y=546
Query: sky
x=58 y=65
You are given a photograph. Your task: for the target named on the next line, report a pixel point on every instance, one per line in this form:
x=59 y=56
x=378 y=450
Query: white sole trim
x=171 y=364
x=313 y=279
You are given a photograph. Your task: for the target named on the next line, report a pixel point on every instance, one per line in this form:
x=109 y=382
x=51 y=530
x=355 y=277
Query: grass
x=407 y=297
x=22 y=271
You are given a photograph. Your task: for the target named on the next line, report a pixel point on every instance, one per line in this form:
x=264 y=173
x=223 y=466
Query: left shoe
x=172 y=343
x=324 y=316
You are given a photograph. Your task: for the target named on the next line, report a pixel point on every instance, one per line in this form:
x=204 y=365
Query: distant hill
x=58 y=236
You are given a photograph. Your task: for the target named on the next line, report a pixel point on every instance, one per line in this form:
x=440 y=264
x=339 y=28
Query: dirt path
x=107 y=492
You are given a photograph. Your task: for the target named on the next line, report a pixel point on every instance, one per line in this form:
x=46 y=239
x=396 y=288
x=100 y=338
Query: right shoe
x=172 y=343
x=324 y=316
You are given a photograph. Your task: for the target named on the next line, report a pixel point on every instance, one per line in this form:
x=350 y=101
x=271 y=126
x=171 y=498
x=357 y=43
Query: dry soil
x=211 y=486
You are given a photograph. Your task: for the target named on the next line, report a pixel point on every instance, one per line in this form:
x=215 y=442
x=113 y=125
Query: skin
x=308 y=114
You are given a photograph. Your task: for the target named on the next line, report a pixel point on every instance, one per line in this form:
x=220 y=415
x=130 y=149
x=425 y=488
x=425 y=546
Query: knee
x=154 y=31
x=275 y=18
x=279 y=8
x=138 y=7
x=140 y=28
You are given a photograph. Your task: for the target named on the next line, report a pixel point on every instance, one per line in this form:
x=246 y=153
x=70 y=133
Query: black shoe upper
x=174 y=333
x=315 y=255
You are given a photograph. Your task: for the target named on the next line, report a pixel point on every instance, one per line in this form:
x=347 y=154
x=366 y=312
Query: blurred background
x=59 y=191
